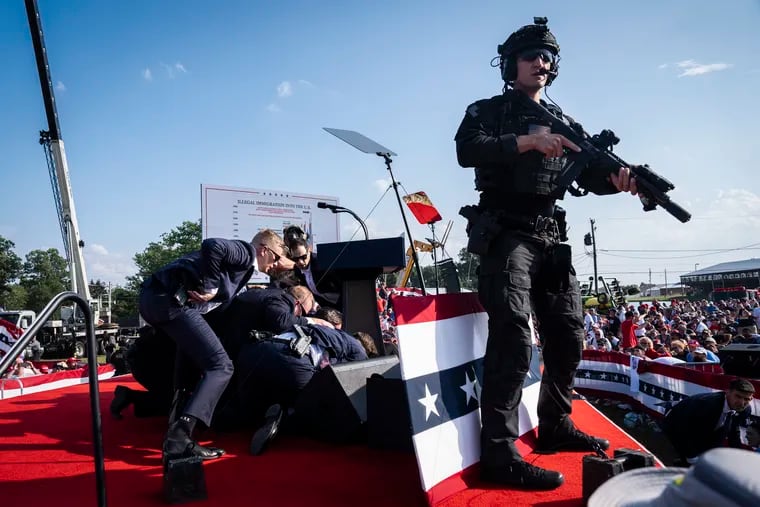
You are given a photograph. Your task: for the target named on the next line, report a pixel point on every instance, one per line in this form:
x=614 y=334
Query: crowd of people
x=676 y=331
x=690 y=334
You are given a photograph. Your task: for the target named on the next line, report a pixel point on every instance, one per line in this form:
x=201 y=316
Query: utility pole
x=593 y=244
x=650 y=276
x=666 y=281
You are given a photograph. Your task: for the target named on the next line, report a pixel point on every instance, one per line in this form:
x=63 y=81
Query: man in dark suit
x=705 y=421
x=175 y=299
x=273 y=310
x=270 y=374
x=325 y=286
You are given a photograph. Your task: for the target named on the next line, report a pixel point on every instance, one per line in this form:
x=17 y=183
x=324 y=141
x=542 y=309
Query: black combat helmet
x=532 y=36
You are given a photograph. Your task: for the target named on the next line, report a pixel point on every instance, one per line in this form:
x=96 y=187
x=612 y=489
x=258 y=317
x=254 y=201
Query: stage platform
x=46 y=459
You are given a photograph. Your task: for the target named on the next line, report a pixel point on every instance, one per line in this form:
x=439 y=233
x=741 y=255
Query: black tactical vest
x=533 y=173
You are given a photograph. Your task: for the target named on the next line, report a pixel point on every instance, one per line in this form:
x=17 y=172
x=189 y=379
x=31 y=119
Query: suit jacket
x=327 y=282
x=222 y=264
x=690 y=425
x=270 y=309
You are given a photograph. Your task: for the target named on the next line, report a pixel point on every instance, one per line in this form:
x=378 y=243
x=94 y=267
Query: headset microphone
x=547 y=72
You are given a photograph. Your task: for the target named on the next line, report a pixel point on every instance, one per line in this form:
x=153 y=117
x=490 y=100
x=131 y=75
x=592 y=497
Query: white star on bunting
x=429 y=403
x=469 y=388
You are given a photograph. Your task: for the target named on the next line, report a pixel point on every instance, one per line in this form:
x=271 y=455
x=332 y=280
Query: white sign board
x=239 y=213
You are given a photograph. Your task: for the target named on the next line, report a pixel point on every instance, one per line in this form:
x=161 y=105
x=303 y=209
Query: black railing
x=92 y=365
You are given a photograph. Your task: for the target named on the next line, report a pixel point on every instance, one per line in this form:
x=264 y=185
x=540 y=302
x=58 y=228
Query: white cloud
x=284 y=89
x=98 y=249
x=693 y=68
x=147 y=75
x=273 y=108
x=662 y=66
x=172 y=70
x=726 y=219
x=382 y=184
x=304 y=82
x=107 y=267
x=59 y=86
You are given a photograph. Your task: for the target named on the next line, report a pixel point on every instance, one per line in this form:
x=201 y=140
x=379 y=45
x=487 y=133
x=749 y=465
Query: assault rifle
x=652 y=187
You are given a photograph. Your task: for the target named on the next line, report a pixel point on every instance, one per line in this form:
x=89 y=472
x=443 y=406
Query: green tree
x=467 y=268
x=428 y=273
x=45 y=274
x=15 y=298
x=98 y=288
x=10 y=267
x=181 y=240
x=123 y=304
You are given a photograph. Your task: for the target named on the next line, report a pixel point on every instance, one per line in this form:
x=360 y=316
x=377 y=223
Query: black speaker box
x=742 y=360
x=598 y=469
x=389 y=425
x=447 y=273
x=333 y=405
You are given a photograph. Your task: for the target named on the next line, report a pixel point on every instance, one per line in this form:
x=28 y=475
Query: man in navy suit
x=175 y=299
x=705 y=421
x=270 y=374
x=273 y=310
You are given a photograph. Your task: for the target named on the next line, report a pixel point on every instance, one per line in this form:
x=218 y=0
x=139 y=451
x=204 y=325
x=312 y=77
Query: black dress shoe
x=185 y=447
x=121 y=400
x=571 y=439
x=522 y=475
x=267 y=431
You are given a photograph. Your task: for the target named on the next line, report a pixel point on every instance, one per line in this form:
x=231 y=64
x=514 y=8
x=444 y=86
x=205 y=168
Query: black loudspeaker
x=389 y=425
x=333 y=405
x=447 y=273
x=742 y=360
x=598 y=468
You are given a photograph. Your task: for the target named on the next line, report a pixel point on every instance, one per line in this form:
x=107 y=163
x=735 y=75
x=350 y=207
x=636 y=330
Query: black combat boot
x=567 y=437
x=522 y=475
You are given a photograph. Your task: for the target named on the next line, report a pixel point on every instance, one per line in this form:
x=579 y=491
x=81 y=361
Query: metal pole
x=97 y=430
x=416 y=258
x=666 y=281
x=593 y=243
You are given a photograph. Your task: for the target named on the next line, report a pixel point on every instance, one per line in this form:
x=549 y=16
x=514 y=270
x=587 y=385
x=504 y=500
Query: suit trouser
x=267 y=374
x=524 y=272
x=196 y=341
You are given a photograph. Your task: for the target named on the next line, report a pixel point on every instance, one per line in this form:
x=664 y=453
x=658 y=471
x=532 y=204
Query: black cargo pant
x=525 y=272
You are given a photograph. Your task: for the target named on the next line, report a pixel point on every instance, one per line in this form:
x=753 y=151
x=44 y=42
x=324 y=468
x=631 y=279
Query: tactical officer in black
x=517 y=230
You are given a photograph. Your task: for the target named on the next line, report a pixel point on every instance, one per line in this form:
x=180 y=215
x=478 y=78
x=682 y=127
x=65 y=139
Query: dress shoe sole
x=519 y=484
x=218 y=453
x=267 y=432
x=569 y=448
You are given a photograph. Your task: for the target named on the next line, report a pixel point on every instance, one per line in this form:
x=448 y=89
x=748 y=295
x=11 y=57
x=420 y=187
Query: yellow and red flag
x=421 y=207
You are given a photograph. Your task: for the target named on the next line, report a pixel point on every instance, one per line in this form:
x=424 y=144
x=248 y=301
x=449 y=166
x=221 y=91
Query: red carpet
x=46 y=459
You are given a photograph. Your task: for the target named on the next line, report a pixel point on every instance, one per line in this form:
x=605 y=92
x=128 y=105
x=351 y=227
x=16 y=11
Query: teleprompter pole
x=388 y=162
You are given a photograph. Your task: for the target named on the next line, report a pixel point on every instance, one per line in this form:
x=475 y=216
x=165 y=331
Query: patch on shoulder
x=473 y=110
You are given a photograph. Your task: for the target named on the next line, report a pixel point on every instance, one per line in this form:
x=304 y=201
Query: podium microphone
x=340 y=209
x=332 y=207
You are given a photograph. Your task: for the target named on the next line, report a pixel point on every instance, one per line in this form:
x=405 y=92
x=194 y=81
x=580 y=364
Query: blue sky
x=156 y=98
